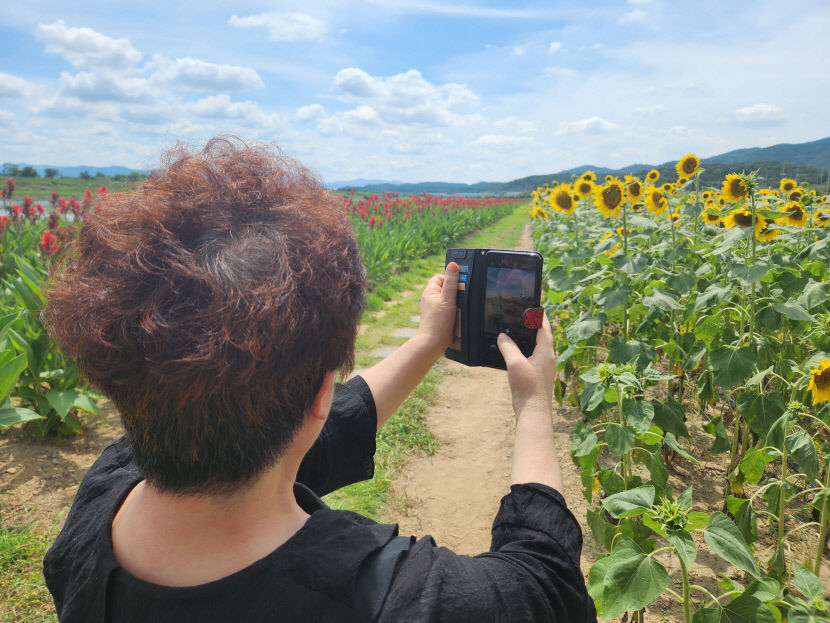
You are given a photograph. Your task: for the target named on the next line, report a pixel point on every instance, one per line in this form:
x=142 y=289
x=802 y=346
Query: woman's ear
x=322 y=401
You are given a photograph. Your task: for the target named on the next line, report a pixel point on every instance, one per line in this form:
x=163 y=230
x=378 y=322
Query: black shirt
x=530 y=574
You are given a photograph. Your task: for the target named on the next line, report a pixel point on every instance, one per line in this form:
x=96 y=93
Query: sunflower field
x=693 y=325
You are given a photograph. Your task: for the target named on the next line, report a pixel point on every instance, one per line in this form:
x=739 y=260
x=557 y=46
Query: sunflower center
x=737 y=187
x=634 y=189
x=796 y=212
x=689 y=165
x=788 y=187
x=612 y=196
x=564 y=201
x=744 y=219
x=657 y=199
x=584 y=187
x=822 y=380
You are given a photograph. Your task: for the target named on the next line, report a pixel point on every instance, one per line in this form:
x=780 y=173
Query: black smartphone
x=499 y=291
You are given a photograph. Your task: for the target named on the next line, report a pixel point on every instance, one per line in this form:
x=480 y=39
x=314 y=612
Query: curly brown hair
x=209 y=304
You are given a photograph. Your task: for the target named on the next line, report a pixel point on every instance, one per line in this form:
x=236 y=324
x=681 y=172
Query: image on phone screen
x=507 y=294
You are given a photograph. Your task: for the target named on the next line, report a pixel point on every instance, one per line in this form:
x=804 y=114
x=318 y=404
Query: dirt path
x=454 y=494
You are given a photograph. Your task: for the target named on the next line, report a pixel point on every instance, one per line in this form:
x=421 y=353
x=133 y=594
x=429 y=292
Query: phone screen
x=507 y=294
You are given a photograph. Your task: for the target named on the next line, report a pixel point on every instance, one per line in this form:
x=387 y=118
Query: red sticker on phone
x=532 y=318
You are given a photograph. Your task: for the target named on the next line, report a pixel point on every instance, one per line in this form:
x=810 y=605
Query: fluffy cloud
x=222 y=107
x=6 y=117
x=95 y=87
x=407 y=97
x=12 y=86
x=283 y=26
x=362 y=114
x=554 y=47
x=306 y=114
x=591 y=125
x=502 y=141
x=196 y=75
x=759 y=115
x=650 y=111
x=83 y=47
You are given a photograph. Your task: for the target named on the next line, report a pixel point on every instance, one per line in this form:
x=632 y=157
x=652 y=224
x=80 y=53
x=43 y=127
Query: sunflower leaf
x=749 y=273
x=732 y=366
x=793 y=310
x=661 y=300
x=815 y=293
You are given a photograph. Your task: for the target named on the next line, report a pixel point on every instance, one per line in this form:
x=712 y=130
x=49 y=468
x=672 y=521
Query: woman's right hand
x=530 y=378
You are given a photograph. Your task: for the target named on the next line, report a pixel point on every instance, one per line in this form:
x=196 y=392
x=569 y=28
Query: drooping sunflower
x=539 y=213
x=653 y=175
x=561 y=199
x=763 y=231
x=712 y=216
x=787 y=185
x=796 y=194
x=687 y=166
x=797 y=216
x=734 y=188
x=740 y=217
x=609 y=198
x=589 y=175
x=633 y=188
x=656 y=202
x=820 y=382
x=821 y=218
x=616 y=247
x=583 y=188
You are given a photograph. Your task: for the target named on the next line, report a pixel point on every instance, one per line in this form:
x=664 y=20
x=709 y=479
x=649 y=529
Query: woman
x=214 y=306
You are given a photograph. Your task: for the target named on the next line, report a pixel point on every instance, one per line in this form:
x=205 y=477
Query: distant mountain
x=75 y=171
x=360 y=183
x=812 y=154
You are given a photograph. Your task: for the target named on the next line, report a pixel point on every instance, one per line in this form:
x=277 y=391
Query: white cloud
x=86 y=48
x=682 y=131
x=222 y=107
x=6 y=117
x=554 y=47
x=632 y=16
x=12 y=86
x=759 y=114
x=283 y=26
x=309 y=113
x=591 y=125
x=558 y=72
x=407 y=98
x=518 y=51
x=95 y=87
x=639 y=2
x=365 y=115
x=65 y=106
x=193 y=74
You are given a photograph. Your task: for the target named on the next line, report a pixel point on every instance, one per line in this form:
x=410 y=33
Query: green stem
x=625 y=252
x=752 y=291
x=687 y=611
x=782 y=494
x=733 y=452
x=626 y=458
x=823 y=523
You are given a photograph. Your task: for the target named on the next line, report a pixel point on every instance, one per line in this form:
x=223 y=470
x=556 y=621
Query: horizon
x=411 y=90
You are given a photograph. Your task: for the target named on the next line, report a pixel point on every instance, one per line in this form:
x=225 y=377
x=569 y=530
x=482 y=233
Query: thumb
x=508 y=349
x=450 y=289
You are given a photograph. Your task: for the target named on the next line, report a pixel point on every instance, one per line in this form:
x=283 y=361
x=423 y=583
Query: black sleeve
x=531 y=572
x=344 y=452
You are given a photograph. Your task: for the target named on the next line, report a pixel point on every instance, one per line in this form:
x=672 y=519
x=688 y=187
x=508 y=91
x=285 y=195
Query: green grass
x=24 y=597
x=40 y=188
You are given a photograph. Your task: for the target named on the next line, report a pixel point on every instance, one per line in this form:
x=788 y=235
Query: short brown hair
x=209 y=304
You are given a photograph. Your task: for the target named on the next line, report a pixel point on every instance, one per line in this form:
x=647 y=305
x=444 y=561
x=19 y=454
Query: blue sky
x=413 y=90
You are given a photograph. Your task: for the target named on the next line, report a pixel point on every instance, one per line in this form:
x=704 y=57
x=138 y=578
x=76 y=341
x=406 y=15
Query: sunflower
x=561 y=199
x=554 y=184
x=708 y=196
x=712 y=216
x=539 y=213
x=787 y=185
x=583 y=188
x=653 y=175
x=681 y=181
x=763 y=231
x=590 y=176
x=796 y=194
x=608 y=178
x=797 y=216
x=633 y=188
x=820 y=382
x=656 y=201
x=734 y=188
x=668 y=188
x=740 y=217
x=616 y=247
x=609 y=198
x=687 y=166
x=821 y=218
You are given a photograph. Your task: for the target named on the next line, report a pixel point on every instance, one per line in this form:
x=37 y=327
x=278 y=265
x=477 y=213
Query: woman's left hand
x=438 y=309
